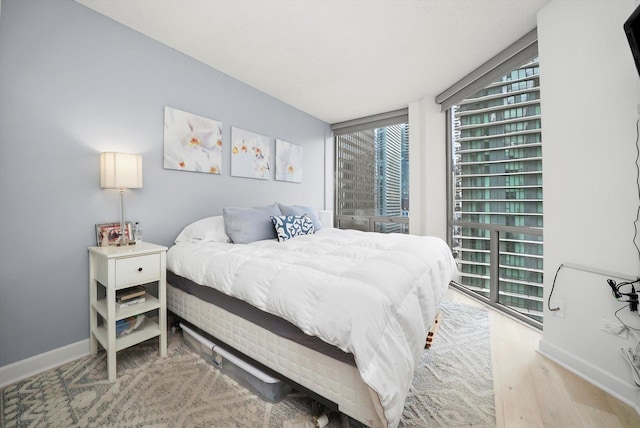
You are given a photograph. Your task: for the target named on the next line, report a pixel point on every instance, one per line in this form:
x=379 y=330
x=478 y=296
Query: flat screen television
x=632 y=28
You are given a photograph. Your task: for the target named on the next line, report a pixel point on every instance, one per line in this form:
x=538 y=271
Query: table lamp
x=121 y=171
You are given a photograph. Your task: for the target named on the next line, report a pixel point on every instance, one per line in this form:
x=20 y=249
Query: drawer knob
x=139 y=269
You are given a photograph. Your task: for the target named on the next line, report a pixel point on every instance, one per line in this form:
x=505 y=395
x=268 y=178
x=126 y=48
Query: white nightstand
x=115 y=268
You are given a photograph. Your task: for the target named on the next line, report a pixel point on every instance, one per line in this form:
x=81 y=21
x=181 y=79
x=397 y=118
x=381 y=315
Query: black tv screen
x=632 y=28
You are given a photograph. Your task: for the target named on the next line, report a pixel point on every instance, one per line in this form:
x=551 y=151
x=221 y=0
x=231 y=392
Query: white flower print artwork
x=191 y=142
x=250 y=154
x=288 y=162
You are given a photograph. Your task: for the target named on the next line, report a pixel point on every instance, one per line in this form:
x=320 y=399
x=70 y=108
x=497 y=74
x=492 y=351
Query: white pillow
x=207 y=229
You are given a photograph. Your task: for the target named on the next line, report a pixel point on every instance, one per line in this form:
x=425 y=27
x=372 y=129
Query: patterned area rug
x=452 y=387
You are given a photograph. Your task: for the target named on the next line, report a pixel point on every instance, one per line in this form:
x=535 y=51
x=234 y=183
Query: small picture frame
x=108 y=233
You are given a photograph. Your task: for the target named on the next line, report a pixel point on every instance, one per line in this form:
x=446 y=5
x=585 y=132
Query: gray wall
x=73 y=84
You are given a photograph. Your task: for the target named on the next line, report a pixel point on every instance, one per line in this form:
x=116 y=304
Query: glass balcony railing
x=384 y=224
x=502 y=265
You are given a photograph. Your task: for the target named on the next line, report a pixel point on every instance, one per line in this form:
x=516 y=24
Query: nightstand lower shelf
x=150 y=330
x=150 y=304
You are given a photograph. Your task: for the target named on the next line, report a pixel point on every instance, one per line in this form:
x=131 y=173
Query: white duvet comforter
x=374 y=295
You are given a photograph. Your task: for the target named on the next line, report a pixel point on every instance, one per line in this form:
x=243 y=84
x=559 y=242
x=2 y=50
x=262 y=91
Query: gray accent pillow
x=302 y=210
x=245 y=225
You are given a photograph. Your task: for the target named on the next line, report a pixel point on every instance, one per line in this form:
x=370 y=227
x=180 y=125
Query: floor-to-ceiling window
x=496 y=204
x=372 y=173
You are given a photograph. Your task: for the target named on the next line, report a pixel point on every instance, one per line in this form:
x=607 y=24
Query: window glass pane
x=497 y=180
x=372 y=177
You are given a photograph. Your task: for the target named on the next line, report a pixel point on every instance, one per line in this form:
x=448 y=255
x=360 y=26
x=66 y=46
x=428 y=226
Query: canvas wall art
x=250 y=154
x=192 y=142
x=288 y=162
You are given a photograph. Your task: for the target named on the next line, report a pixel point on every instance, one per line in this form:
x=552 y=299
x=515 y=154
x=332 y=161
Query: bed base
x=329 y=381
x=316 y=400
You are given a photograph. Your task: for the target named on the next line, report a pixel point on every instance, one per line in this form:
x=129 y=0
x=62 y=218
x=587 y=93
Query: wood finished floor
x=532 y=391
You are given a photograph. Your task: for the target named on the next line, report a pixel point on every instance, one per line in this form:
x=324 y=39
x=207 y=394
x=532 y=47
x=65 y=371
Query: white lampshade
x=120 y=171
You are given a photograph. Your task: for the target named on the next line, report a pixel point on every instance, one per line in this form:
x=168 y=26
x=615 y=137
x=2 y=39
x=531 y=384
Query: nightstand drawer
x=137 y=270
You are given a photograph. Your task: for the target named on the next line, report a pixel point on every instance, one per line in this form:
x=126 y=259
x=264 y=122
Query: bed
x=361 y=304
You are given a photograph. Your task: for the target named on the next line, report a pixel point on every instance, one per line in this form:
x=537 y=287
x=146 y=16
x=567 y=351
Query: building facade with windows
x=372 y=178
x=392 y=173
x=497 y=181
x=355 y=169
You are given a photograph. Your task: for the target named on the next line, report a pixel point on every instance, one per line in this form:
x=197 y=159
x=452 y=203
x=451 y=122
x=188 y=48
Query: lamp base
x=124 y=238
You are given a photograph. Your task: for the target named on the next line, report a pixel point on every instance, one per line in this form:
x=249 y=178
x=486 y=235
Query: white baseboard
x=23 y=369
x=623 y=391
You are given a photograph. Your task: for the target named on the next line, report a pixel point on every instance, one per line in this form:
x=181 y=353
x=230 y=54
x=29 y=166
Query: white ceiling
x=334 y=59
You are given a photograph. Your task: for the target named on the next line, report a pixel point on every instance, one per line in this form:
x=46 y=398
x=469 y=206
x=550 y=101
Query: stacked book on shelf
x=130 y=296
x=125 y=298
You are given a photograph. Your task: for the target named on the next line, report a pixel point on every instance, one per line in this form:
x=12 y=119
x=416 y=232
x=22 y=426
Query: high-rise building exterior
x=355 y=170
x=372 y=175
x=497 y=180
x=392 y=170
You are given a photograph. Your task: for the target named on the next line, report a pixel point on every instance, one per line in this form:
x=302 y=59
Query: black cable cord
x=552 y=287
x=635 y=223
x=622 y=284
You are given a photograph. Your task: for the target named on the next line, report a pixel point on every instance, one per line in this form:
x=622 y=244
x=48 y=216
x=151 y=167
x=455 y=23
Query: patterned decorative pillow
x=289 y=226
